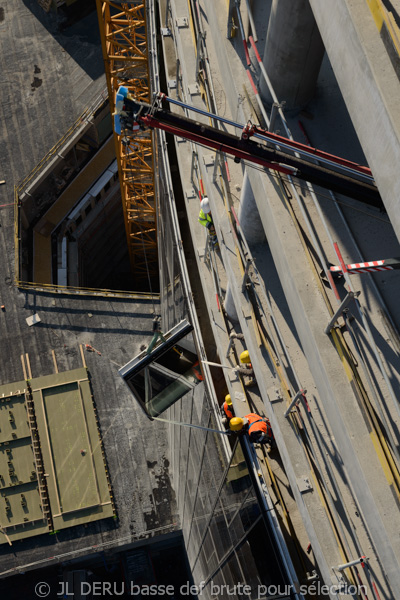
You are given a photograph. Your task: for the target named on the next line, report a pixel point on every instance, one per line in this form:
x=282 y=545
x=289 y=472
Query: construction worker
x=205 y=219
x=246 y=368
x=236 y=336
x=227 y=410
x=258 y=428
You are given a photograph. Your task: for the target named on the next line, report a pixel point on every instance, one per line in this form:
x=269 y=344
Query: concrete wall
x=370 y=88
x=293 y=53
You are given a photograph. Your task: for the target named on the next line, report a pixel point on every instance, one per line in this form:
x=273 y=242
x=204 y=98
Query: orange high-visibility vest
x=196 y=370
x=227 y=410
x=256 y=423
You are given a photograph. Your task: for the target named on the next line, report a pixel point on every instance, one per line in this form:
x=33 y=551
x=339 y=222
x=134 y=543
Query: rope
x=194 y=426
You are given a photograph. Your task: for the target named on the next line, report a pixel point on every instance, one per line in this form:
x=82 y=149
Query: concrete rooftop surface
x=49 y=75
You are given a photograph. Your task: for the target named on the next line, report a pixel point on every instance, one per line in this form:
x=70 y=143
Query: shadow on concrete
x=76 y=29
x=389 y=6
x=36 y=299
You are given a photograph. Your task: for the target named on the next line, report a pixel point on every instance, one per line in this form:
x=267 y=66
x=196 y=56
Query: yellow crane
x=123 y=31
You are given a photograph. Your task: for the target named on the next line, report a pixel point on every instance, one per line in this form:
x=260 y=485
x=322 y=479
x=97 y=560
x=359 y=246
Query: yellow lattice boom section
x=123 y=30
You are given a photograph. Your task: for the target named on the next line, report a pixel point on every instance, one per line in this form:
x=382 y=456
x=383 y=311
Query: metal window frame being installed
x=180 y=383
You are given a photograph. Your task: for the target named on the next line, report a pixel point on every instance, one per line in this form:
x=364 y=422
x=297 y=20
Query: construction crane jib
x=254 y=145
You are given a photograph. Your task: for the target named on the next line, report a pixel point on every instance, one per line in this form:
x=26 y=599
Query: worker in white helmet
x=205 y=219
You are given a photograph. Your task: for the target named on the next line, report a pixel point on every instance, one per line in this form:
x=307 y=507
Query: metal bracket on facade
x=294 y=401
x=208 y=160
x=341 y=308
x=166 y=32
x=246 y=312
x=194 y=89
x=229 y=347
x=351 y=563
x=190 y=193
x=274 y=395
x=274 y=113
x=171 y=84
x=182 y=22
x=246 y=274
x=304 y=485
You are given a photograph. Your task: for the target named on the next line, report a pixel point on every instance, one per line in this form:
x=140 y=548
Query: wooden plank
x=54 y=361
x=5 y=535
x=28 y=365
x=82 y=355
x=23 y=366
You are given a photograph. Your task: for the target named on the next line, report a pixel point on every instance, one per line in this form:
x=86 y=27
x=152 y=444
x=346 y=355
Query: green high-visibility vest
x=205 y=219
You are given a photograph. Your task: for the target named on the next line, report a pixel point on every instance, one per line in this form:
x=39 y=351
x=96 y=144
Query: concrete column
x=293 y=53
x=229 y=305
x=249 y=217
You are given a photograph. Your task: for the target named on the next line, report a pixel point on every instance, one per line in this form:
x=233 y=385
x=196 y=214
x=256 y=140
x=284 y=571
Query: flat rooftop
x=72 y=77
x=53 y=470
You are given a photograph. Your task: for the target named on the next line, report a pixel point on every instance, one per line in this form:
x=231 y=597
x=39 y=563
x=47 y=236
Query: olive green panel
x=72 y=453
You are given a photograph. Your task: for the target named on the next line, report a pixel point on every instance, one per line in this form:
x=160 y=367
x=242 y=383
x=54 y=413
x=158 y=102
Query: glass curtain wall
x=226 y=538
x=228 y=543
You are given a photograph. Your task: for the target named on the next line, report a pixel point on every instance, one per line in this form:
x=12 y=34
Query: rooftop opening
x=69 y=223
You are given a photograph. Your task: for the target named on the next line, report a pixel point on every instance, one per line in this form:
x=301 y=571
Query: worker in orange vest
x=258 y=428
x=227 y=410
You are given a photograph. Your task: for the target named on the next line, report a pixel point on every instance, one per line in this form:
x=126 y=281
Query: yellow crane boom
x=123 y=31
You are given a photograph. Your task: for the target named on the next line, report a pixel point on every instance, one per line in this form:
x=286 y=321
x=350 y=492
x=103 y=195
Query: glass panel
x=220 y=533
x=259 y=560
x=210 y=556
x=235 y=585
x=247 y=514
x=162 y=374
x=245 y=558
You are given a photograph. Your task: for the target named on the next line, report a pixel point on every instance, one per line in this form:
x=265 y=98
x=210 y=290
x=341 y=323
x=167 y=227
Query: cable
x=194 y=426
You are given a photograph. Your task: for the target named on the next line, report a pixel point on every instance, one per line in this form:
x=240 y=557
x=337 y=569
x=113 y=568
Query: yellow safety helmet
x=245 y=357
x=228 y=400
x=236 y=424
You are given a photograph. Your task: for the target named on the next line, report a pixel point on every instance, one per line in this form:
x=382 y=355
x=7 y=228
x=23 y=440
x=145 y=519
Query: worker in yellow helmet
x=227 y=410
x=206 y=220
x=258 y=428
x=246 y=368
x=245 y=358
